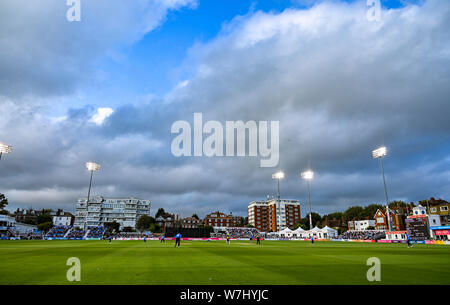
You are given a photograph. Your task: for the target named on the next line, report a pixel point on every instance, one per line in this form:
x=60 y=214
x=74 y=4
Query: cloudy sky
x=109 y=88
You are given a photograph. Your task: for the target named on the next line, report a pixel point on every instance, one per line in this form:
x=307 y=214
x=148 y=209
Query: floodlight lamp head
x=5 y=149
x=92 y=166
x=379 y=152
x=308 y=175
x=278 y=175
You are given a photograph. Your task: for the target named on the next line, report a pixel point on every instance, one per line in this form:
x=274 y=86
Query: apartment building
x=272 y=215
x=125 y=211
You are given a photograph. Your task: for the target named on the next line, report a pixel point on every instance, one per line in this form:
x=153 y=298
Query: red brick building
x=219 y=219
x=397 y=220
x=258 y=215
x=190 y=222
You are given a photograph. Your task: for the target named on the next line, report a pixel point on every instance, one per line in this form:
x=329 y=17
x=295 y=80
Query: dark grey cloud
x=339 y=85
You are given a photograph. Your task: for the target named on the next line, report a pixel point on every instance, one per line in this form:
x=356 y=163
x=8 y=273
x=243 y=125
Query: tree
x=301 y=225
x=370 y=210
x=112 y=227
x=353 y=212
x=155 y=228
x=43 y=218
x=30 y=221
x=335 y=215
x=160 y=212
x=245 y=221
x=315 y=218
x=45 y=226
x=3 y=202
x=195 y=216
x=241 y=222
x=144 y=222
x=398 y=204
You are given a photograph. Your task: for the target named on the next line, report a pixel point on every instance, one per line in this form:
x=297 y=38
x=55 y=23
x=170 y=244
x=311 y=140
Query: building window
x=444 y=209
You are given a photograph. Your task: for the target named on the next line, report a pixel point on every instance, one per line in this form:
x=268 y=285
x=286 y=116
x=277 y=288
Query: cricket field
x=215 y=262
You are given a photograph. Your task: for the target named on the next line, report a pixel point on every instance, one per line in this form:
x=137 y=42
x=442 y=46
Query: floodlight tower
x=308 y=176
x=379 y=153
x=5 y=149
x=278 y=175
x=91 y=166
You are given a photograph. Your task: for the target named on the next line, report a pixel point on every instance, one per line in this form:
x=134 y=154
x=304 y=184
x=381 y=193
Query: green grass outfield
x=200 y=262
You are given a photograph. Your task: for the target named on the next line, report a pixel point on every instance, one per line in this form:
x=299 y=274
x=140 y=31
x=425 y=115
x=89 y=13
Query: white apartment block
x=62 y=220
x=125 y=211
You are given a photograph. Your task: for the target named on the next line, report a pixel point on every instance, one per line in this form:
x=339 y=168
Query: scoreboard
x=418 y=228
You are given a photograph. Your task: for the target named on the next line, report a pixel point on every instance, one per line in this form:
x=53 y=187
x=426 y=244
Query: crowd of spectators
x=7 y=234
x=33 y=235
x=96 y=232
x=130 y=235
x=57 y=231
x=236 y=233
x=363 y=235
x=76 y=234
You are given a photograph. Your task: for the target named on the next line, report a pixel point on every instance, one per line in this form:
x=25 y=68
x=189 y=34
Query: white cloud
x=102 y=114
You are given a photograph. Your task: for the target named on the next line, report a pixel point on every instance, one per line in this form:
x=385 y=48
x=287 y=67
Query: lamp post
x=5 y=149
x=91 y=166
x=308 y=176
x=379 y=153
x=278 y=175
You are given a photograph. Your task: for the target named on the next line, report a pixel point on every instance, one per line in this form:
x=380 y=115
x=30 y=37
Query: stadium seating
x=96 y=232
x=76 y=234
x=237 y=233
x=57 y=232
x=363 y=235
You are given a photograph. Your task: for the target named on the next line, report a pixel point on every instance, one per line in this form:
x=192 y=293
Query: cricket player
x=177 y=240
x=408 y=239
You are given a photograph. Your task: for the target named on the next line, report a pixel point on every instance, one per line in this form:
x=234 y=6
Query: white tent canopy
x=287 y=230
x=316 y=232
